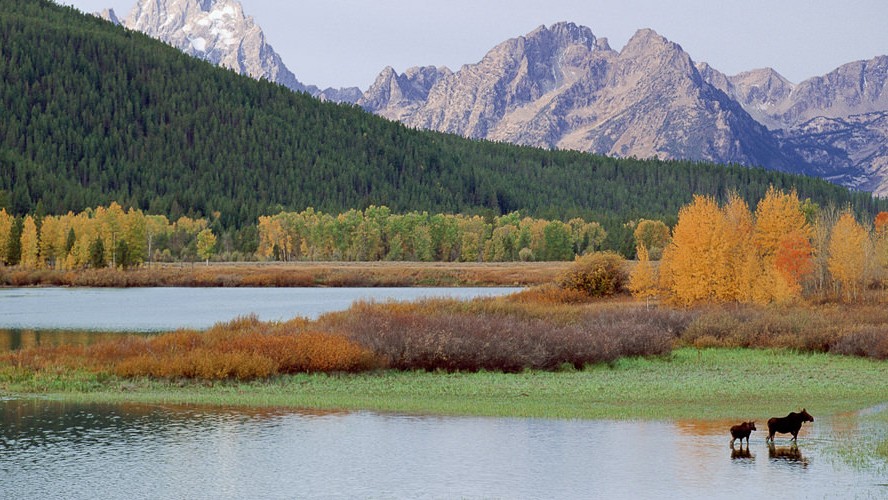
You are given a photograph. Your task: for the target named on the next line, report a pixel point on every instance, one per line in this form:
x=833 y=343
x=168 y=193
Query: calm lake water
x=51 y=450
x=155 y=309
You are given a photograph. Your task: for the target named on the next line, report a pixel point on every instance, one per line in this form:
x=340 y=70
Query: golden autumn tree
x=6 y=222
x=880 y=240
x=848 y=249
x=777 y=216
x=52 y=238
x=695 y=261
x=741 y=263
x=30 y=244
x=643 y=278
x=206 y=244
x=782 y=238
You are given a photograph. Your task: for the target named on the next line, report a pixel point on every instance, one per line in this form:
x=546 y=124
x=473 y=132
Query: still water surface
x=155 y=309
x=51 y=450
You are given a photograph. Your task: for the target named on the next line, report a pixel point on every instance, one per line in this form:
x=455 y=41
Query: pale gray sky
x=342 y=43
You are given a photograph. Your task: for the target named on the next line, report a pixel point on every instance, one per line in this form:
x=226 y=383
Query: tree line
x=101 y=237
x=377 y=234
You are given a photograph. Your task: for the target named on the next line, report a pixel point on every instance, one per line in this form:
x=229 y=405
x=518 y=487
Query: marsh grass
x=688 y=383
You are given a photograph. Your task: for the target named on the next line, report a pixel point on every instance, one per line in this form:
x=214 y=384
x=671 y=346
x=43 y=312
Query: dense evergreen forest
x=94 y=113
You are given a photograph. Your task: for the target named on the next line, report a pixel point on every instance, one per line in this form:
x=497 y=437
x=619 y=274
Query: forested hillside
x=93 y=113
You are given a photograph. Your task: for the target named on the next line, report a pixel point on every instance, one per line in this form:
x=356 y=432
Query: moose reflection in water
x=790 y=454
x=741 y=452
x=789 y=424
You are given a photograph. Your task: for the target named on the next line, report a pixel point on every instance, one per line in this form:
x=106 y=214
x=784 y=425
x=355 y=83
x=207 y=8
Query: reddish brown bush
x=411 y=336
x=868 y=341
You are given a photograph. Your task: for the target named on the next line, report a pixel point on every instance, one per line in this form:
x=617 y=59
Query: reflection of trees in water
x=33 y=423
x=741 y=453
x=790 y=454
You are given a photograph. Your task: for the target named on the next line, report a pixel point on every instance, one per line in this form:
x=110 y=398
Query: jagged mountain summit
x=219 y=31
x=562 y=87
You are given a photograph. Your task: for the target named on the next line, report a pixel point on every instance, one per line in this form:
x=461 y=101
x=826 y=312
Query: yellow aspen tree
x=269 y=230
x=653 y=235
x=206 y=244
x=135 y=232
x=782 y=237
x=30 y=244
x=643 y=279
x=880 y=241
x=695 y=258
x=52 y=241
x=740 y=261
x=777 y=215
x=86 y=231
x=848 y=254
x=6 y=222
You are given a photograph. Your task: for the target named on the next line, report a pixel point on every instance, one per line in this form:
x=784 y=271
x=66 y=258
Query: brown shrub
x=867 y=341
x=413 y=336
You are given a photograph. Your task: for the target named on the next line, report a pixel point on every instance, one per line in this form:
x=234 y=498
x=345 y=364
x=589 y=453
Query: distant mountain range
x=563 y=87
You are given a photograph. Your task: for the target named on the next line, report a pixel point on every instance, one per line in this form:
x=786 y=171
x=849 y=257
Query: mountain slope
x=95 y=113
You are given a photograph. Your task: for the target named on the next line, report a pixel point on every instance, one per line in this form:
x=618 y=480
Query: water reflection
x=789 y=454
x=15 y=339
x=741 y=453
x=50 y=449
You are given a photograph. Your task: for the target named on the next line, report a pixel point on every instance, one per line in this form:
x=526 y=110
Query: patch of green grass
x=704 y=384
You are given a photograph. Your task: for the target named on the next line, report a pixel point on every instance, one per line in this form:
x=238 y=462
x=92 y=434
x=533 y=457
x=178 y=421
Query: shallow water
x=50 y=449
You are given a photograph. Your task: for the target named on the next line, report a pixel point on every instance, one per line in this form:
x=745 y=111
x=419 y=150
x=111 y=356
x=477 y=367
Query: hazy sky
x=341 y=43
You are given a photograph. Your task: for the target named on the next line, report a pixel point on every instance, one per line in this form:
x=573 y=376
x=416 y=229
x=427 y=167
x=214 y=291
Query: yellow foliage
x=698 y=254
x=848 y=248
x=30 y=244
x=6 y=222
x=643 y=279
x=777 y=215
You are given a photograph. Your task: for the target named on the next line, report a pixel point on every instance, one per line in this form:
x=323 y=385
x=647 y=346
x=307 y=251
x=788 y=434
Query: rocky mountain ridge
x=561 y=87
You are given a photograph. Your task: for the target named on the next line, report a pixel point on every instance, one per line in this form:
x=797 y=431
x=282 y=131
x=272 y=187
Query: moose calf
x=741 y=431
